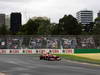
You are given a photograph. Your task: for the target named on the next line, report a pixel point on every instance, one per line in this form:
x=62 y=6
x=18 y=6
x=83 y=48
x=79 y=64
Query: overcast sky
x=54 y=9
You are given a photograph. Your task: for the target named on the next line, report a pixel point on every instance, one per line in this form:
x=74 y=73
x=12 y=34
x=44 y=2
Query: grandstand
x=49 y=42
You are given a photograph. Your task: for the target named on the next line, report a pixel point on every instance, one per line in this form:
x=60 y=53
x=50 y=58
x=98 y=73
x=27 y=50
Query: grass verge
x=79 y=59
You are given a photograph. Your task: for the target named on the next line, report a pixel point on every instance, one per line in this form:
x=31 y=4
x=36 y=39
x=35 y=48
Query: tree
x=97 y=20
x=96 y=29
x=38 y=26
x=56 y=29
x=4 y=30
x=44 y=27
x=68 y=25
x=29 y=28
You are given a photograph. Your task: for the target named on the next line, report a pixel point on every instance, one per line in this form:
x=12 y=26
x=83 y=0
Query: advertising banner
x=68 y=51
x=3 y=51
x=55 y=51
x=36 y=51
x=17 y=51
x=42 y=51
x=14 y=51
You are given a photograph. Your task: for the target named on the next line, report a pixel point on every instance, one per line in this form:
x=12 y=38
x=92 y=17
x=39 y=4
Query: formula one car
x=50 y=57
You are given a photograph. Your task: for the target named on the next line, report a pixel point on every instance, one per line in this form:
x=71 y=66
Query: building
x=98 y=14
x=2 y=19
x=7 y=21
x=15 y=22
x=97 y=20
x=85 y=17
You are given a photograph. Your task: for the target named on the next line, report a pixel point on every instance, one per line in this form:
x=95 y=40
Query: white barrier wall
x=36 y=51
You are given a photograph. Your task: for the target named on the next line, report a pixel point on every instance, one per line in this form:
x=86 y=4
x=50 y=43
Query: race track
x=31 y=65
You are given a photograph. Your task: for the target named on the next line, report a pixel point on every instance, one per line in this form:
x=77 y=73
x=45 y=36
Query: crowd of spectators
x=46 y=42
x=86 y=42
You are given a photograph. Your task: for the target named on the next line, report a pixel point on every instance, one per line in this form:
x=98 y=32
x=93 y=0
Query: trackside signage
x=17 y=51
x=68 y=51
x=36 y=51
x=41 y=51
x=55 y=51
x=3 y=52
x=52 y=51
x=14 y=51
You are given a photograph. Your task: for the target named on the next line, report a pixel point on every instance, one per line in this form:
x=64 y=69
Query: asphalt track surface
x=31 y=65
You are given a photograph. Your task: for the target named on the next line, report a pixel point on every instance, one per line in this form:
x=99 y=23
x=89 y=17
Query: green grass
x=79 y=59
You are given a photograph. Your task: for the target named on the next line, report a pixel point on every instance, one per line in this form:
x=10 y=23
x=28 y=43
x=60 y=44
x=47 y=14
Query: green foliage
x=96 y=30
x=54 y=29
x=38 y=26
x=44 y=27
x=96 y=27
x=29 y=28
x=68 y=25
x=98 y=18
x=4 y=30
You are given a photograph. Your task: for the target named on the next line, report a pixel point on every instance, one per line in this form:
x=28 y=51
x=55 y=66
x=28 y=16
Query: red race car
x=50 y=57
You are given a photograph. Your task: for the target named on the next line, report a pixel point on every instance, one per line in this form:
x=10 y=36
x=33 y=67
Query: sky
x=53 y=9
